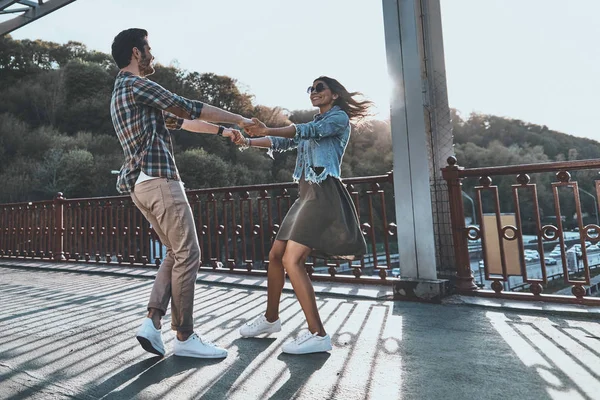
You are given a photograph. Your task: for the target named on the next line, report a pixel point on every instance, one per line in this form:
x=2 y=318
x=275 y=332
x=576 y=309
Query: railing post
x=59 y=227
x=464 y=276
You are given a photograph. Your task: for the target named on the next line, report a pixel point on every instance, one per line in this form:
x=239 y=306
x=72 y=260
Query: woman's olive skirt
x=324 y=218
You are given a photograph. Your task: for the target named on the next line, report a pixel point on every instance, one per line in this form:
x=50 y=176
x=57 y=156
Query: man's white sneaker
x=150 y=338
x=196 y=347
x=259 y=326
x=307 y=343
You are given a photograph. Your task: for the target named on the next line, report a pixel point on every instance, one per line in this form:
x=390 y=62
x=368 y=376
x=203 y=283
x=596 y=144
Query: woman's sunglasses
x=319 y=88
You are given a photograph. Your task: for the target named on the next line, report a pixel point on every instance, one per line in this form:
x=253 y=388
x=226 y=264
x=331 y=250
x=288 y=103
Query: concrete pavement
x=68 y=334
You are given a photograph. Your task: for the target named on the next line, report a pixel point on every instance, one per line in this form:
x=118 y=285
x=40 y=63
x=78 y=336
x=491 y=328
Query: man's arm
x=215 y=114
x=152 y=94
x=200 y=126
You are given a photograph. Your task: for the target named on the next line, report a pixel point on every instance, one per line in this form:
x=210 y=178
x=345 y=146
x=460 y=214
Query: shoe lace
x=257 y=321
x=204 y=341
x=303 y=337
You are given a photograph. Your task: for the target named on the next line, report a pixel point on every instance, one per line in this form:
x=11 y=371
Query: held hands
x=258 y=128
x=254 y=127
x=230 y=133
x=245 y=123
x=239 y=139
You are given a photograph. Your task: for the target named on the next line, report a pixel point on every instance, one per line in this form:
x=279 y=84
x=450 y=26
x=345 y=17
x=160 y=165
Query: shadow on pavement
x=167 y=368
x=301 y=368
x=248 y=350
x=123 y=376
x=492 y=354
x=71 y=336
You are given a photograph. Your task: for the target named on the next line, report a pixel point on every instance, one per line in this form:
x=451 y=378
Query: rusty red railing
x=505 y=256
x=235 y=226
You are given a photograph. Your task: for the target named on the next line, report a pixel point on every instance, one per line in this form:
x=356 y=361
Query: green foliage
x=17 y=182
x=254 y=167
x=482 y=130
x=83 y=80
x=56 y=133
x=485 y=140
x=369 y=150
x=76 y=173
x=200 y=169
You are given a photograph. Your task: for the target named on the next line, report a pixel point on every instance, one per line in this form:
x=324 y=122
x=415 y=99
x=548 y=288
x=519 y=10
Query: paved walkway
x=69 y=334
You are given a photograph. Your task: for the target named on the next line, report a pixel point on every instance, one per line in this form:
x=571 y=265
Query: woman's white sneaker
x=194 y=346
x=307 y=343
x=150 y=338
x=259 y=326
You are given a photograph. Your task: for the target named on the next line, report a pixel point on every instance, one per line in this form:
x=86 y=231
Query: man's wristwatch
x=220 y=131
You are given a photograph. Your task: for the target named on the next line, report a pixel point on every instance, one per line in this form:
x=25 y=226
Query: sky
x=533 y=60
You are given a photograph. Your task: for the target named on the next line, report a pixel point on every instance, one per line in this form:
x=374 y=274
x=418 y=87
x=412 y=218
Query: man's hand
x=231 y=133
x=245 y=123
x=239 y=139
x=257 y=129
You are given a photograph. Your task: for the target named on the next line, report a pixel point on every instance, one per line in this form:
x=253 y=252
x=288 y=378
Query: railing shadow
x=85 y=348
x=453 y=352
x=565 y=354
x=92 y=353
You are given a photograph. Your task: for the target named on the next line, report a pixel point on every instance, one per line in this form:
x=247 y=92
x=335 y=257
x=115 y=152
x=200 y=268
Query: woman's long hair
x=356 y=110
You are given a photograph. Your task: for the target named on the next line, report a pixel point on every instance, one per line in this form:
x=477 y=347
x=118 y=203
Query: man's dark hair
x=124 y=42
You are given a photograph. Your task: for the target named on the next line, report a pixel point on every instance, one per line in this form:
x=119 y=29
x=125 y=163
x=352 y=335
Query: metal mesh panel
x=441 y=147
x=438 y=125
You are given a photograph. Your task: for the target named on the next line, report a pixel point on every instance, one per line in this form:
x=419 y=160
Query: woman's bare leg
x=294 y=259
x=275 y=280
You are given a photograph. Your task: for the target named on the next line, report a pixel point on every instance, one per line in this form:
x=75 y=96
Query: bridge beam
x=32 y=12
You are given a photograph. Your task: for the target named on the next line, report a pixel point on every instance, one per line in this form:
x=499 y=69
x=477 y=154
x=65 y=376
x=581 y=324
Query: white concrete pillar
x=416 y=243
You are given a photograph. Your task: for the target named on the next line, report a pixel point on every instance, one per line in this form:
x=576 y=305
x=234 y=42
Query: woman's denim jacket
x=321 y=143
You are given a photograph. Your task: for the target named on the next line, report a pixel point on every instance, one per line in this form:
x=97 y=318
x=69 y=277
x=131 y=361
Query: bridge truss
x=23 y=12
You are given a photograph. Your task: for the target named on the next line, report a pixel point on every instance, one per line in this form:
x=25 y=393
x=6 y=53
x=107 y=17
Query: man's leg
x=175 y=220
x=178 y=224
x=161 y=289
x=148 y=199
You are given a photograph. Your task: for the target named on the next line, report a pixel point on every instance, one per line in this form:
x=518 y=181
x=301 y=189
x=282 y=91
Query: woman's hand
x=230 y=132
x=245 y=123
x=238 y=138
x=258 y=129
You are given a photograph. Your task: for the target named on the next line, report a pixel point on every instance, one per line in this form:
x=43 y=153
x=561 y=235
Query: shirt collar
x=124 y=74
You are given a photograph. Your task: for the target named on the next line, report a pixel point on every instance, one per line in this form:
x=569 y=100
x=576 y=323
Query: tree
x=199 y=169
x=76 y=173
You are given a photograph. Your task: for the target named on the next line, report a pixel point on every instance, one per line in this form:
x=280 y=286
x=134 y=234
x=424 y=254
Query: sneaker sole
x=307 y=352
x=259 y=334
x=199 y=356
x=147 y=345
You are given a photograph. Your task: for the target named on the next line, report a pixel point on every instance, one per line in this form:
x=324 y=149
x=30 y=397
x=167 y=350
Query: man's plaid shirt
x=141 y=112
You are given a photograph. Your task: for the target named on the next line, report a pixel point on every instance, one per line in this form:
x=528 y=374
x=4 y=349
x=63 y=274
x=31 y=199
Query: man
x=141 y=112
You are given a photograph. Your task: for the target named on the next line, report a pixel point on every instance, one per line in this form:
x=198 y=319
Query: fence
x=235 y=227
x=502 y=242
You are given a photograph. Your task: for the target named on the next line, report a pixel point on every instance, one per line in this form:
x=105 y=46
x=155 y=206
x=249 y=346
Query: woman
x=323 y=221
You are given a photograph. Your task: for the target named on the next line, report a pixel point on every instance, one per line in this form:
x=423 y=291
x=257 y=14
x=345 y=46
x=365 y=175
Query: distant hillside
x=56 y=134
x=480 y=132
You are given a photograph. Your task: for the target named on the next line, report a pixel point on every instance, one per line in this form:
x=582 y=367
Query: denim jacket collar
x=318 y=117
